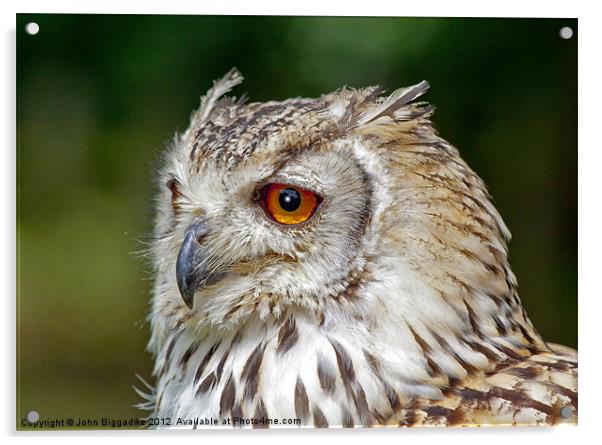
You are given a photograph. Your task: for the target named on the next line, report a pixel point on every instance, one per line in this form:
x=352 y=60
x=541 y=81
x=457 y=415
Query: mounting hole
x=566 y=412
x=32 y=28
x=566 y=32
x=33 y=416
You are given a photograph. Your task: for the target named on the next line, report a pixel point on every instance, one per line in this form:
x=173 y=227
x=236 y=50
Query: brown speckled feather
x=539 y=390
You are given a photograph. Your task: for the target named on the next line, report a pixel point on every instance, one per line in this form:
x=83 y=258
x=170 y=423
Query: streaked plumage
x=393 y=305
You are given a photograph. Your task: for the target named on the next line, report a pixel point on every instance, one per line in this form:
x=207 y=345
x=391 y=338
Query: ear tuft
x=209 y=100
x=391 y=115
x=394 y=106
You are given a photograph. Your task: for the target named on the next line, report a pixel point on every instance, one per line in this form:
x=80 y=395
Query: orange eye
x=288 y=204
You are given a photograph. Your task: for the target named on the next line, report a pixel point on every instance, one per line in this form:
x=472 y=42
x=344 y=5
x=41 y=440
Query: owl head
x=344 y=207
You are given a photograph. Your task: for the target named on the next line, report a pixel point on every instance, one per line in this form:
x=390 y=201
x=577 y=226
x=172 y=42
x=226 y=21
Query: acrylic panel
x=284 y=222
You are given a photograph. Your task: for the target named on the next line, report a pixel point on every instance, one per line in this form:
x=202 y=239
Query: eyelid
x=292 y=181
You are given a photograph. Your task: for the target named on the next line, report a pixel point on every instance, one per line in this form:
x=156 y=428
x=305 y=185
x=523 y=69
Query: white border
x=442 y=8
x=590 y=246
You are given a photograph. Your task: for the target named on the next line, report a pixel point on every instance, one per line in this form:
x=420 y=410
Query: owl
x=333 y=262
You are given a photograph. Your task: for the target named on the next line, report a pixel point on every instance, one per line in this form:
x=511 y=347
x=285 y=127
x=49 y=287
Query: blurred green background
x=98 y=96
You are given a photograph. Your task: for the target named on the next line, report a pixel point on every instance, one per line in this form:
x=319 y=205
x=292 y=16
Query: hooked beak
x=193 y=264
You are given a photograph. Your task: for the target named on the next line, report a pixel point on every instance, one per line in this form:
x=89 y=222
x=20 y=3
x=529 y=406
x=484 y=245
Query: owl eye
x=174 y=187
x=288 y=204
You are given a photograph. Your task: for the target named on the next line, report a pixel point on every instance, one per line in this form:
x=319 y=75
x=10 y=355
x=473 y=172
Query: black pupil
x=289 y=199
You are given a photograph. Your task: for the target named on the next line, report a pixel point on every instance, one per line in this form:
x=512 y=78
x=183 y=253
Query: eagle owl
x=335 y=261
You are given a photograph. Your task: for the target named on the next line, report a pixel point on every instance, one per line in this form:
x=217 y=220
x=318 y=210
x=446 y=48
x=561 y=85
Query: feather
x=393 y=106
x=148 y=403
x=220 y=87
x=541 y=390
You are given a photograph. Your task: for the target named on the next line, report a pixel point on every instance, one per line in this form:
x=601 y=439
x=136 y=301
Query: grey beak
x=190 y=266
